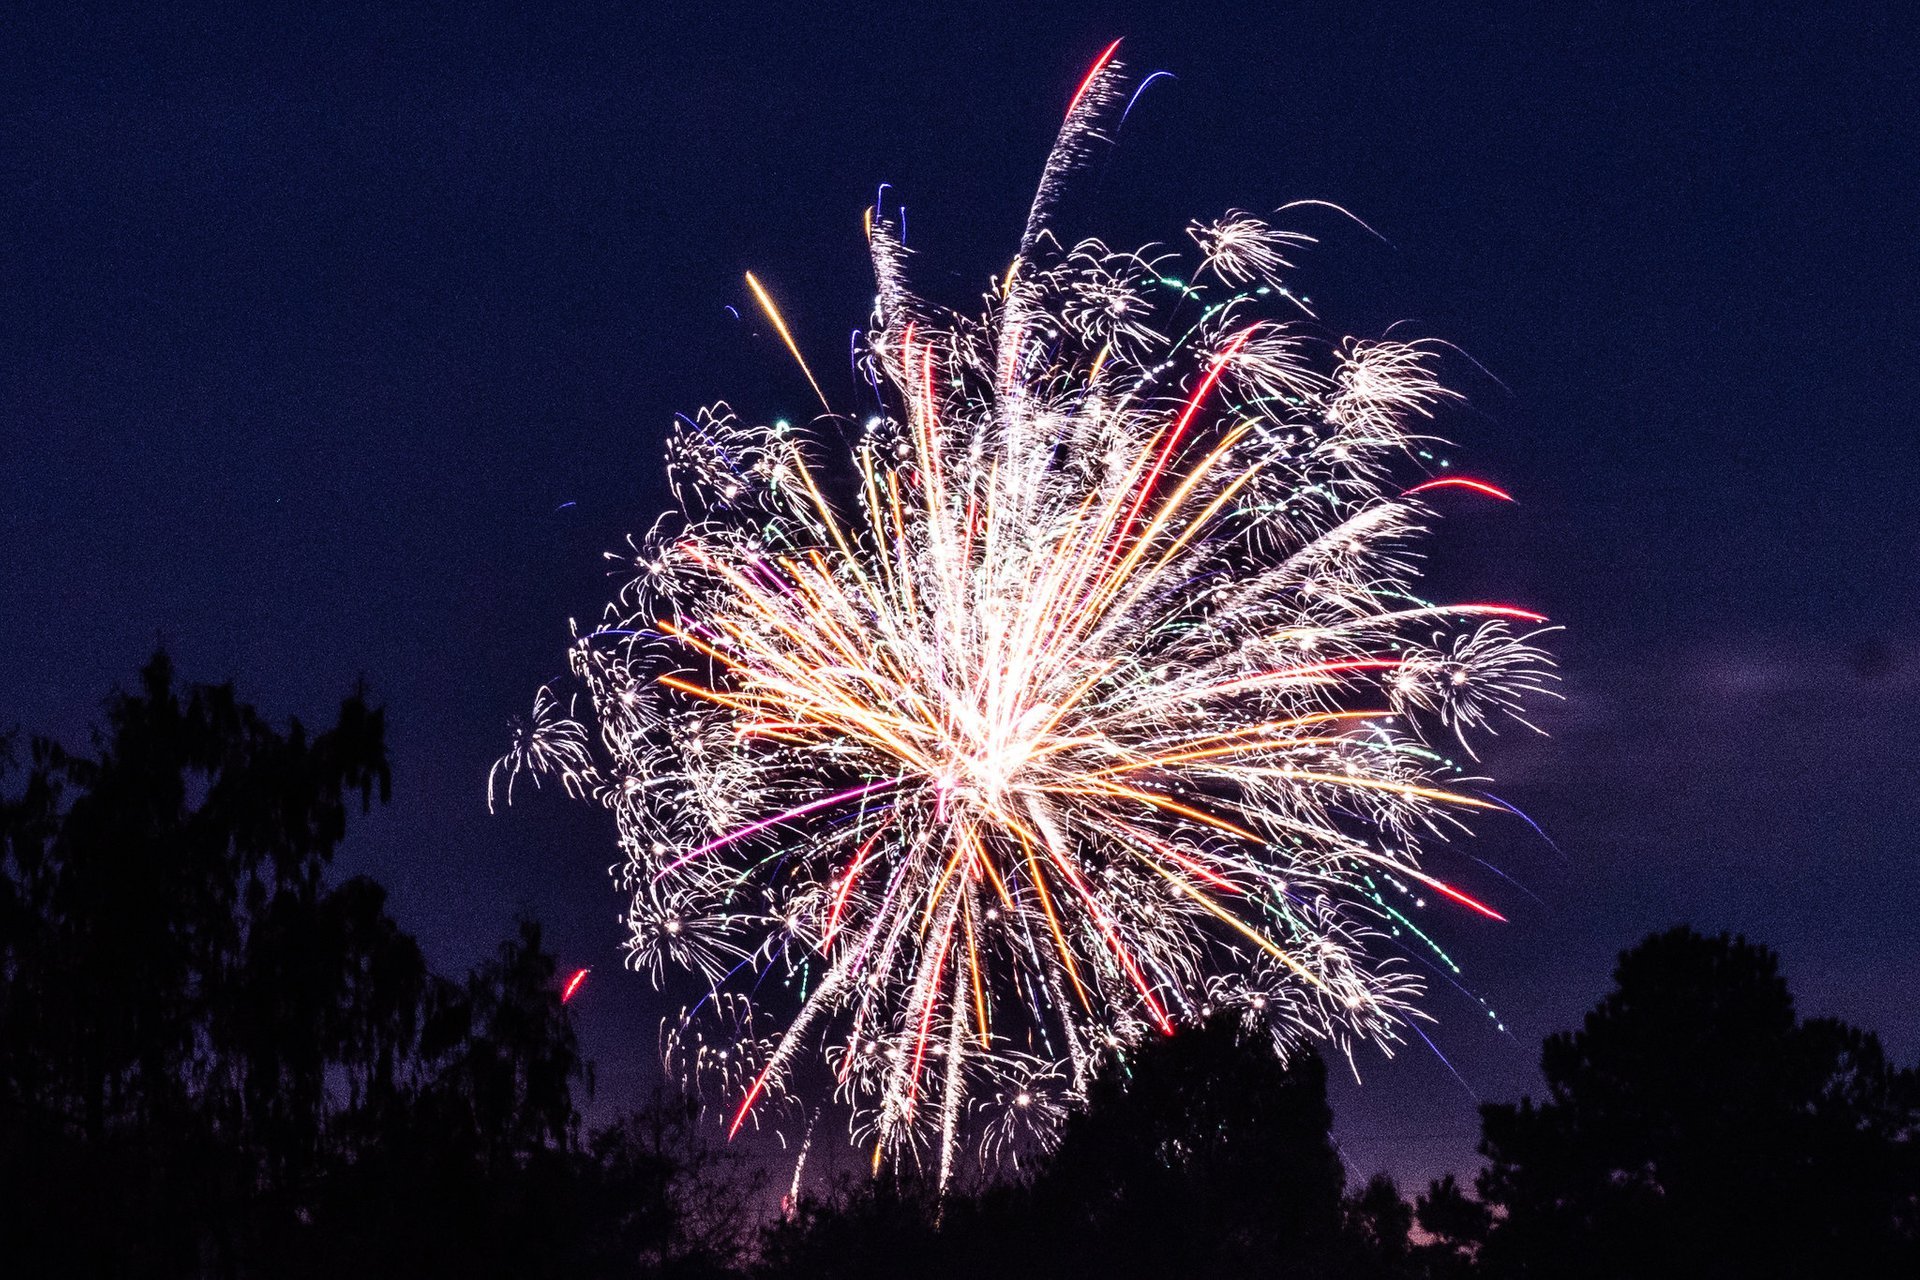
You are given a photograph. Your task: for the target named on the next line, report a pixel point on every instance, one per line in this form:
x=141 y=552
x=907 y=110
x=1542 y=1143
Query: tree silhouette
x=1456 y=1226
x=164 y=959
x=215 y=1063
x=1694 y=1127
x=1204 y=1153
x=875 y=1228
x=658 y=1198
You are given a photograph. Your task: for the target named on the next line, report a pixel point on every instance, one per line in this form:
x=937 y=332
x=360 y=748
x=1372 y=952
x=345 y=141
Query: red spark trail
x=1460 y=482
x=1099 y=64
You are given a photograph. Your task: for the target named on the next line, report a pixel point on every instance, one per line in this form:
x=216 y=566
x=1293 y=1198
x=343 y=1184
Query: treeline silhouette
x=216 y=1062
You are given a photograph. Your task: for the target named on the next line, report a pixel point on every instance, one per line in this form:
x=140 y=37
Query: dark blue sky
x=308 y=324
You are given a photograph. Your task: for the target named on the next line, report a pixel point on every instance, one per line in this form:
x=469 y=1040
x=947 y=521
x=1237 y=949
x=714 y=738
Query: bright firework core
x=1081 y=690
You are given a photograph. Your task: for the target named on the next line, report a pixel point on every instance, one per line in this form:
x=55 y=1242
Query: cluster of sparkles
x=1074 y=690
x=547 y=742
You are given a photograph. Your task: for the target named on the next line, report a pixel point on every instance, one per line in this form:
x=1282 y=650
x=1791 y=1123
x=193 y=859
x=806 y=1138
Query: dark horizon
x=345 y=344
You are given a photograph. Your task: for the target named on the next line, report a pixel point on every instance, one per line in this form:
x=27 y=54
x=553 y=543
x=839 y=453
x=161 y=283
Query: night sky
x=342 y=345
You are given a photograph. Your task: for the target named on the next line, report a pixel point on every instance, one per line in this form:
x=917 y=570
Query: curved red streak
x=846 y=886
x=1507 y=610
x=933 y=418
x=1460 y=482
x=1099 y=64
x=1152 y=478
x=742 y=833
x=573 y=985
x=1227 y=353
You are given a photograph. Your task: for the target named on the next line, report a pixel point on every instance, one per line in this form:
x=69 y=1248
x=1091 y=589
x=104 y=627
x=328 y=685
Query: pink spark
x=753 y=828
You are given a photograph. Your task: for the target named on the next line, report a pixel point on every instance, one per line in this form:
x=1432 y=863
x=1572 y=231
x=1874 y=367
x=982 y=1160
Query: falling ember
x=1066 y=681
x=573 y=985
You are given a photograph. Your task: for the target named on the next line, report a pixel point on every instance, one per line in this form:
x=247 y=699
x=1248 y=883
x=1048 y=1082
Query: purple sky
x=310 y=325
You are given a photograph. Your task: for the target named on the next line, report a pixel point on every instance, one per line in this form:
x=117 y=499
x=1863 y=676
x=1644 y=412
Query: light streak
x=761 y=296
x=1093 y=73
x=1460 y=482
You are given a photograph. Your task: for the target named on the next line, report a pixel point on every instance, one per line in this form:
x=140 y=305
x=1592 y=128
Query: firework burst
x=548 y=741
x=1073 y=687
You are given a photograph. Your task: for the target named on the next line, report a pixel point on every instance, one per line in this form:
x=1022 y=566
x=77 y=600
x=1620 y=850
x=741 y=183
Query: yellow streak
x=1272 y=726
x=889 y=675
x=999 y=885
x=800 y=678
x=699 y=691
x=757 y=598
x=1237 y=748
x=843 y=714
x=865 y=457
x=823 y=615
x=1200 y=522
x=900 y=545
x=1401 y=788
x=1119 y=574
x=1159 y=802
x=979 y=991
x=1067 y=703
x=1099 y=362
x=962 y=845
x=833 y=528
x=1295 y=722
x=773 y=314
x=1046 y=905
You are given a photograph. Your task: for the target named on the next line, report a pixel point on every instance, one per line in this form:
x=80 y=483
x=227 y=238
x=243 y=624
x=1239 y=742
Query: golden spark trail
x=780 y=326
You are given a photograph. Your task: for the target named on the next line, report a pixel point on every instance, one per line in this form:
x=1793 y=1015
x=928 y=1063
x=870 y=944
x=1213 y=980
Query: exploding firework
x=1072 y=685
